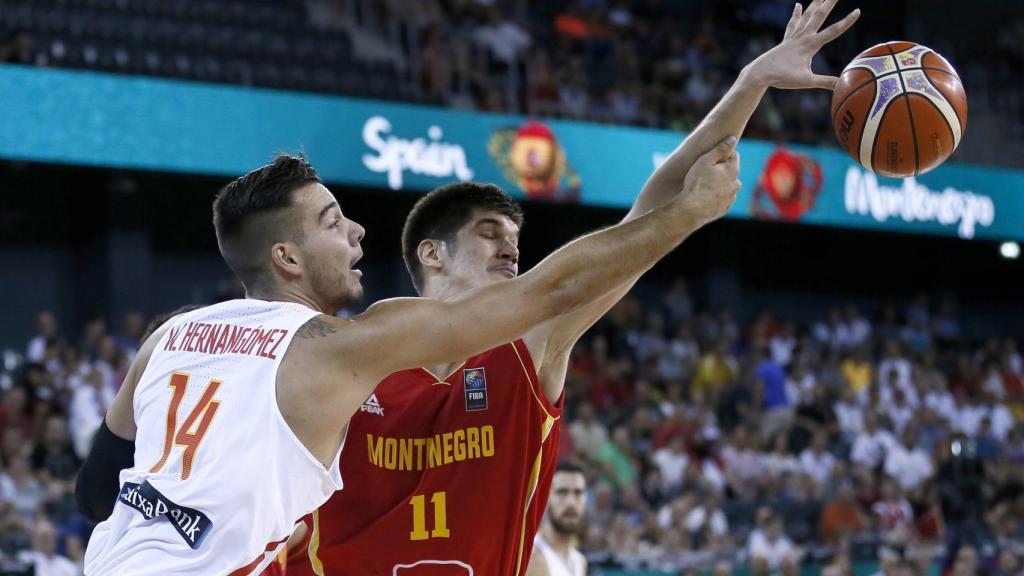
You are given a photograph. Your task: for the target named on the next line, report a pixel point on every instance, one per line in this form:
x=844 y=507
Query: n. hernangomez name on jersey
x=213 y=338
x=437 y=450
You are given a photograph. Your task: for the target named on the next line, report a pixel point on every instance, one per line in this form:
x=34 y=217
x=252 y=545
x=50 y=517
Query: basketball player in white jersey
x=555 y=552
x=238 y=411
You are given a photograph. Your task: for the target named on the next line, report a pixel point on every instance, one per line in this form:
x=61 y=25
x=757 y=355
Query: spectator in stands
x=1008 y=564
x=43 y=557
x=53 y=459
x=707 y=517
x=908 y=464
x=588 y=435
x=46 y=336
x=89 y=403
x=715 y=368
x=849 y=414
x=773 y=550
x=842 y=517
x=872 y=444
x=672 y=461
x=893 y=513
x=770 y=395
x=21 y=489
x=816 y=461
x=856 y=370
x=14 y=413
x=616 y=459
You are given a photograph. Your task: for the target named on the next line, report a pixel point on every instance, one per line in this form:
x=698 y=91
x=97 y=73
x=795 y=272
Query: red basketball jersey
x=443 y=477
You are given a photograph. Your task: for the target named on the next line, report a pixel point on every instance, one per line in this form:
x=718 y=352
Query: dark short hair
x=250 y=213
x=571 y=466
x=441 y=213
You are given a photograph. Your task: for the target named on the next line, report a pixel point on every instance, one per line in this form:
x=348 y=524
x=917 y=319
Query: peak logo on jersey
x=372 y=405
x=191 y=524
x=475 y=381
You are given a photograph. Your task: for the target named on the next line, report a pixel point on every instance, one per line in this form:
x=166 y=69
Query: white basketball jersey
x=219 y=479
x=557 y=566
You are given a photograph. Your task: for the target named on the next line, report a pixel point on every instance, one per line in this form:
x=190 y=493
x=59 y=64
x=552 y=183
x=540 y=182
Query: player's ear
x=286 y=259
x=429 y=253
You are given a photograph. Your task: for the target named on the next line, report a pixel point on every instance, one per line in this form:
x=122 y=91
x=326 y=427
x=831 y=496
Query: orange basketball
x=899 y=109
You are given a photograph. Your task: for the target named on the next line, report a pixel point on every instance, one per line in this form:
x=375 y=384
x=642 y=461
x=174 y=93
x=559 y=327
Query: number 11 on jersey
x=419 y=517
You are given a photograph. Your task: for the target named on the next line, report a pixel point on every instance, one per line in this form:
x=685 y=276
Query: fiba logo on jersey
x=475 y=381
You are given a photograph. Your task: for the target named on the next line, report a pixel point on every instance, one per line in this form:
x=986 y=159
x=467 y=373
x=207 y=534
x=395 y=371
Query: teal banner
x=142 y=123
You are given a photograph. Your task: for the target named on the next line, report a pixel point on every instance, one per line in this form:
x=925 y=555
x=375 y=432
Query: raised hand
x=788 y=65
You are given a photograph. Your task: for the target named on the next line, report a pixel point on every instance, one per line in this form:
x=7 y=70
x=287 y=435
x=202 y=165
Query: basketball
x=899 y=109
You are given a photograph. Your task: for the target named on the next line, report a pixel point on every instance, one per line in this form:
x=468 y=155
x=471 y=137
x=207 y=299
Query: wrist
x=755 y=76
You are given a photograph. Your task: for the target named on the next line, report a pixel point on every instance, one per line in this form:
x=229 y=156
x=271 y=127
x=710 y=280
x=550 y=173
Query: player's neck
x=445 y=288
x=560 y=543
x=285 y=294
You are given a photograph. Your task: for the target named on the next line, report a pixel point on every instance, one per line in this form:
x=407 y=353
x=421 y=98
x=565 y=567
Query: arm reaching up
x=787 y=65
x=337 y=362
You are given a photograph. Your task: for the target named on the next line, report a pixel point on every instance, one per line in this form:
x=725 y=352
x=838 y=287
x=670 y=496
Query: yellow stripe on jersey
x=549 y=423
x=314 y=546
x=534 y=386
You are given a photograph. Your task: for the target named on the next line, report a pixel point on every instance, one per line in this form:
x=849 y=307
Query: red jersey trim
x=550 y=410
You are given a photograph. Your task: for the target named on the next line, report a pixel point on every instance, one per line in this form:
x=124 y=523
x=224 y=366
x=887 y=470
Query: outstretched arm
x=787 y=65
x=404 y=333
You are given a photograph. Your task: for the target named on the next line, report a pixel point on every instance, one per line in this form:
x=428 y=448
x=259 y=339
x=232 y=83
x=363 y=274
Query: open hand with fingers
x=788 y=65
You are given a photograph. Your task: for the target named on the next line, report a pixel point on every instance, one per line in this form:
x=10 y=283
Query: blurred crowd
x=709 y=440
x=646 y=63
x=655 y=64
x=55 y=394
x=858 y=438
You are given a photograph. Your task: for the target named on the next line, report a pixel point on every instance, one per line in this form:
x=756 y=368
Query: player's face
x=330 y=249
x=567 y=502
x=485 y=250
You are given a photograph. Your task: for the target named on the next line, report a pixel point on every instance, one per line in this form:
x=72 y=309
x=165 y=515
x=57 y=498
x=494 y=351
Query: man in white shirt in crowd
x=816 y=461
x=893 y=361
x=588 y=435
x=46 y=332
x=908 y=463
x=555 y=546
x=849 y=414
x=671 y=461
x=872 y=444
x=940 y=400
x=707 y=513
x=859 y=326
x=773 y=550
x=43 y=557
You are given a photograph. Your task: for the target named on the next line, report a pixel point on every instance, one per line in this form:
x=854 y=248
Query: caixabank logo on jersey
x=475 y=384
x=190 y=523
x=530 y=157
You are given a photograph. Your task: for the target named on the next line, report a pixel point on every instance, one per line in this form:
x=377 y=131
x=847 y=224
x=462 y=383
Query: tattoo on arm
x=317 y=327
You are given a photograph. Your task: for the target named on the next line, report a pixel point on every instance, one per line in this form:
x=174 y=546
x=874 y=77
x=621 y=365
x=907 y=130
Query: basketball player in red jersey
x=448 y=466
